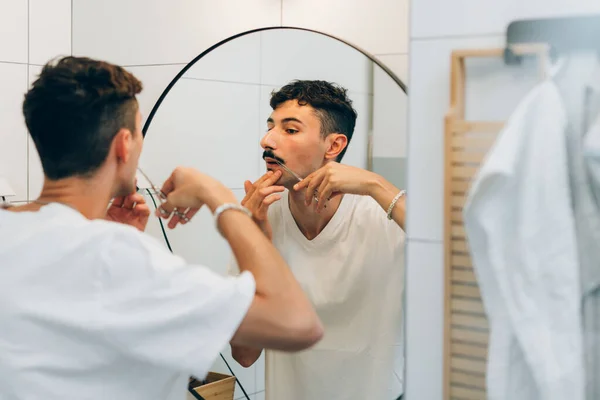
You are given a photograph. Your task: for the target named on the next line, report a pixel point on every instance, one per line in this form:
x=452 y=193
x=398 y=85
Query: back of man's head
x=74 y=110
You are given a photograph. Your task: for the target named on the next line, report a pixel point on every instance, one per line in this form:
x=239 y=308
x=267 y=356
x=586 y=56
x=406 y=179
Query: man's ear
x=122 y=144
x=336 y=143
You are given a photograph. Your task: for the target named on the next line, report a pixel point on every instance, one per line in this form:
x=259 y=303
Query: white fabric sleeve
x=157 y=309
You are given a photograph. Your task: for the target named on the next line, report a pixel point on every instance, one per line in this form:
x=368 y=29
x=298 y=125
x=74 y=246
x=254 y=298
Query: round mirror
x=217 y=115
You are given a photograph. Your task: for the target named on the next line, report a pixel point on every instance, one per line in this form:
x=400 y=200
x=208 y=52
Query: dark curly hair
x=74 y=110
x=330 y=101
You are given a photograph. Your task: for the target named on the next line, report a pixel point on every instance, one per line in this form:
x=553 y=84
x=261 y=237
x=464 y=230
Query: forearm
x=384 y=192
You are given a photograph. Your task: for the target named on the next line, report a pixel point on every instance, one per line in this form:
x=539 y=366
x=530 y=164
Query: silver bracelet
x=391 y=207
x=229 y=206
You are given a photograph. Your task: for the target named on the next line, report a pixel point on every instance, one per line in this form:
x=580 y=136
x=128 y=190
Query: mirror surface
x=213 y=119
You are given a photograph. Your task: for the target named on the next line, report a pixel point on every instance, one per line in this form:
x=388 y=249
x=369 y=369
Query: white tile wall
x=378 y=26
x=155 y=79
x=235 y=61
x=475 y=17
x=356 y=155
x=207 y=125
x=13 y=30
x=49 y=30
x=159 y=32
x=294 y=54
x=13 y=133
x=397 y=63
x=260 y=372
x=390 y=112
x=429 y=102
x=264 y=110
x=424 y=320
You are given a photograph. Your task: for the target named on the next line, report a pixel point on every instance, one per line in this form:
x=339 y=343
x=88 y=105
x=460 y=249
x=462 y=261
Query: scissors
x=297 y=177
x=162 y=198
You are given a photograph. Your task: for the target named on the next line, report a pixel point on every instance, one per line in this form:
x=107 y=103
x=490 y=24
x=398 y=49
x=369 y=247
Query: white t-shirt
x=353 y=274
x=99 y=310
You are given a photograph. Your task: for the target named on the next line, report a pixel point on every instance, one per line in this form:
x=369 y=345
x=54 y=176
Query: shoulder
x=366 y=208
x=366 y=211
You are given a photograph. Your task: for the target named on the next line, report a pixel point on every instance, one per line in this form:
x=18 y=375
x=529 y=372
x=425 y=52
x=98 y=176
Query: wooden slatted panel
x=468 y=365
x=472 y=350
x=467 y=326
x=461 y=289
x=466 y=144
x=464 y=393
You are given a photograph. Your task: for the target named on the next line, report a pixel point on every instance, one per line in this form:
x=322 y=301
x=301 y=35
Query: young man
x=97 y=309
x=341 y=231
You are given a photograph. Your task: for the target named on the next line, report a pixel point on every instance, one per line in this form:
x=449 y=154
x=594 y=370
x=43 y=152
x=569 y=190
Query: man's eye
x=291 y=131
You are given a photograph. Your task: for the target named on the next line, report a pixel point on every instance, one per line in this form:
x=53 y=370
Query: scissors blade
x=297 y=177
x=289 y=170
x=157 y=191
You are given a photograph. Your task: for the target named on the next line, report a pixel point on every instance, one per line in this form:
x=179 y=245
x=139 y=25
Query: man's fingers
x=247 y=187
x=263 y=178
x=133 y=199
x=263 y=208
x=118 y=201
x=168 y=186
x=189 y=215
x=272 y=178
x=312 y=187
x=323 y=193
x=164 y=210
x=179 y=217
x=141 y=210
x=266 y=191
x=173 y=221
x=271 y=199
x=304 y=182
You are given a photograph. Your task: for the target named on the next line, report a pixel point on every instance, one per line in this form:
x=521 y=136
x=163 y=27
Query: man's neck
x=311 y=223
x=89 y=197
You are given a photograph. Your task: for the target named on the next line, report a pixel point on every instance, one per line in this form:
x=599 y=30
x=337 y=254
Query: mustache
x=270 y=154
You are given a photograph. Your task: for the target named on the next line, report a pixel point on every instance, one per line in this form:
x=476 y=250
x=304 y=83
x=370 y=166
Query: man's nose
x=268 y=141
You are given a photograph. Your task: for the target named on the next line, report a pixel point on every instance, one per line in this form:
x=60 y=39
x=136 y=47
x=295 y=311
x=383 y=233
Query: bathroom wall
x=493 y=91
x=155 y=39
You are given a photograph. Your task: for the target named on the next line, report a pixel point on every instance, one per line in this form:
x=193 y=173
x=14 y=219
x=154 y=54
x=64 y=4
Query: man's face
x=294 y=138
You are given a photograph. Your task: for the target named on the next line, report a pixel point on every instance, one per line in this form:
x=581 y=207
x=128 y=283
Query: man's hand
x=131 y=210
x=334 y=179
x=187 y=190
x=259 y=196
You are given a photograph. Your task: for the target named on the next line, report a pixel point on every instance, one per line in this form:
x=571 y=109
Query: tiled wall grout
x=405 y=53
x=454 y=37
x=153 y=65
x=420 y=240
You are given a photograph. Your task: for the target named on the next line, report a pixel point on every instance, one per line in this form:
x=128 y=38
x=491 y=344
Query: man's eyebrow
x=292 y=119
